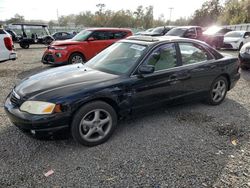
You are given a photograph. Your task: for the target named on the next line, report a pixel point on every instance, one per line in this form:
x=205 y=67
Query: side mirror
x=146 y=69
x=91 y=39
x=247 y=36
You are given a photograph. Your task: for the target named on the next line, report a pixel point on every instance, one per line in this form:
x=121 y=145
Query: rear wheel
x=24 y=45
x=76 y=58
x=218 y=91
x=94 y=123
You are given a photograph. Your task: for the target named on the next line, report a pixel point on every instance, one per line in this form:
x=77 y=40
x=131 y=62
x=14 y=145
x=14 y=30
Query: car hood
x=61 y=77
x=65 y=42
x=231 y=39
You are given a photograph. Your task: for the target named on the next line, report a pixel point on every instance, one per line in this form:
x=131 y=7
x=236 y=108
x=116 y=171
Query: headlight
x=60 y=47
x=245 y=49
x=37 y=107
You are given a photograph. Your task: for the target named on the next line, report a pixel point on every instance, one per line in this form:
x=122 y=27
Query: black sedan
x=244 y=56
x=62 y=36
x=88 y=99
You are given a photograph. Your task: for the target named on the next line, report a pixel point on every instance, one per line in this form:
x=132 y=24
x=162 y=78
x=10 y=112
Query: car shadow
x=187 y=145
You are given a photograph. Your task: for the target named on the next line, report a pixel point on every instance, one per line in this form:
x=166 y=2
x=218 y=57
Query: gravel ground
x=189 y=145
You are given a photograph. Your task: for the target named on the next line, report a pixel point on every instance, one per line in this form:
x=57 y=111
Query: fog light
x=33 y=132
x=58 y=55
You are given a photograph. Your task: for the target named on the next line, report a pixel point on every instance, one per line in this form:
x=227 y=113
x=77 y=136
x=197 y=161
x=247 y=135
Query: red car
x=83 y=46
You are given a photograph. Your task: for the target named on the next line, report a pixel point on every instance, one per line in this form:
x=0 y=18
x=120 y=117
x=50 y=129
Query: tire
x=94 y=123
x=24 y=45
x=76 y=58
x=219 y=90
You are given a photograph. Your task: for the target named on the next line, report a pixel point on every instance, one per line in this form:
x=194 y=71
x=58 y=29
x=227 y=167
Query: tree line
x=224 y=12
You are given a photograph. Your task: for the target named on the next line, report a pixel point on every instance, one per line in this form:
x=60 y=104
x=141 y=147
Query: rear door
x=200 y=64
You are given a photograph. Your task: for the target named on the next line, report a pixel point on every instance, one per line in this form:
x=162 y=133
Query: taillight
x=8 y=43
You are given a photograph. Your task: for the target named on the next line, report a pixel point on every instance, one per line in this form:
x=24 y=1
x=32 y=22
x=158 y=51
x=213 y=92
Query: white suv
x=6 y=47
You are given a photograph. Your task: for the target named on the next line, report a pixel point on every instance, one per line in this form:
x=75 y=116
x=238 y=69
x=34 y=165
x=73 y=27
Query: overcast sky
x=47 y=9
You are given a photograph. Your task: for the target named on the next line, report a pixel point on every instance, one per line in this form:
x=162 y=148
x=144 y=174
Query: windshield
x=118 y=58
x=177 y=32
x=83 y=35
x=158 y=30
x=235 y=34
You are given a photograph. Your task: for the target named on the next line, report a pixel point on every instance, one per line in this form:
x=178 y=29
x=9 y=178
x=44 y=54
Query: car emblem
x=16 y=95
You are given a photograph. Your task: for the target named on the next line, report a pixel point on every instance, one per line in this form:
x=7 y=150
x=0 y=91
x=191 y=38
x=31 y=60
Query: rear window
x=2 y=31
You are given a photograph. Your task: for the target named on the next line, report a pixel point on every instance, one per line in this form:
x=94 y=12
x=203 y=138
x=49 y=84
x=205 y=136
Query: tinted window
x=163 y=57
x=193 y=53
x=2 y=31
x=120 y=34
x=177 y=32
x=102 y=35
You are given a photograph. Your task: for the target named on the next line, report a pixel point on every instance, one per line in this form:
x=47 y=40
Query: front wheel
x=76 y=58
x=218 y=91
x=94 y=123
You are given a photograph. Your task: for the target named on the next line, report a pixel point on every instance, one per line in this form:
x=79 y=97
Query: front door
x=164 y=83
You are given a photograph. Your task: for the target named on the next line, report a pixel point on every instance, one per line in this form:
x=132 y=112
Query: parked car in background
x=214 y=36
x=144 y=32
x=6 y=47
x=26 y=40
x=192 y=32
x=158 y=31
x=83 y=46
x=236 y=39
x=244 y=56
x=132 y=74
x=62 y=35
x=13 y=34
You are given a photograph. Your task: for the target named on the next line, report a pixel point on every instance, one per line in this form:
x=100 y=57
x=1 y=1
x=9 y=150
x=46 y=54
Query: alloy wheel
x=77 y=59
x=95 y=125
x=219 y=91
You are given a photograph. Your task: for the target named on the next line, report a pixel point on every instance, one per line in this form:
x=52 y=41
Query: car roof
x=187 y=27
x=30 y=24
x=148 y=40
x=108 y=29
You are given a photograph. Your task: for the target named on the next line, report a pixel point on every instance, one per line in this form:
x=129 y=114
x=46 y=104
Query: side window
x=64 y=34
x=101 y=35
x=199 y=32
x=163 y=57
x=193 y=53
x=120 y=34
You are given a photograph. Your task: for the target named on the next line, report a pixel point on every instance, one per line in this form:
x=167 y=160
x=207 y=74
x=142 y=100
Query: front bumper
x=38 y=123
x=230 y=45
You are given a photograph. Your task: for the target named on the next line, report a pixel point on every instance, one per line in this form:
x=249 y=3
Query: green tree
x=16 y=19
x=208 y=13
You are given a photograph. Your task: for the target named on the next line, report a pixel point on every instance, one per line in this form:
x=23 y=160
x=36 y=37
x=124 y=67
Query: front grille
x=225 y=45
x=48 y=58
x=15 y=101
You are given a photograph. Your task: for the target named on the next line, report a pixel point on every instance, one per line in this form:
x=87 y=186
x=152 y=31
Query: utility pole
x=57 y=13
x=170 y=13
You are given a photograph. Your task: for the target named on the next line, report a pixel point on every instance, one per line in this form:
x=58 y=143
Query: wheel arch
x=107 y=100
x=77 y=52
